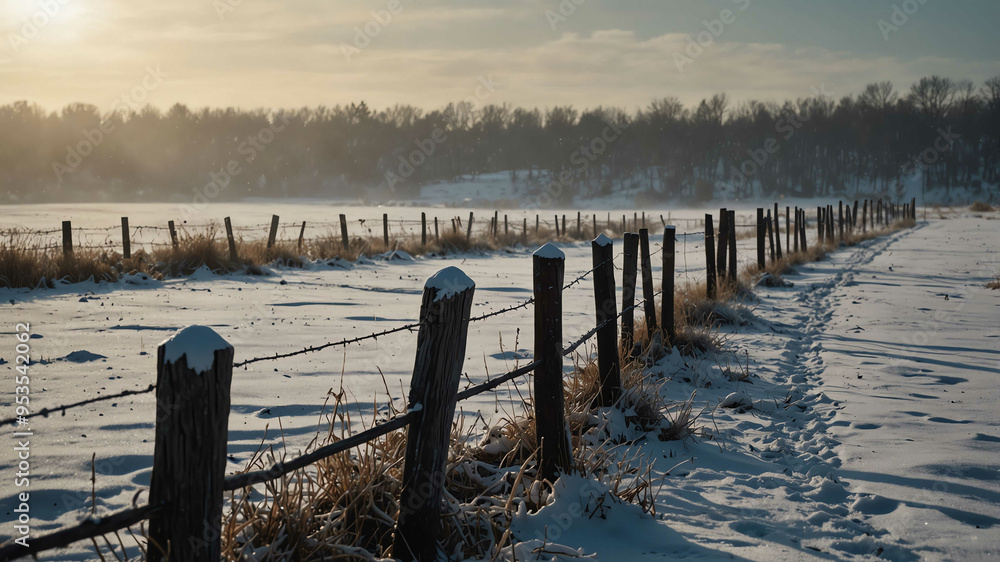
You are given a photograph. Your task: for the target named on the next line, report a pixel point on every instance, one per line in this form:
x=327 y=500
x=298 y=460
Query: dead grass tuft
x=981 y=207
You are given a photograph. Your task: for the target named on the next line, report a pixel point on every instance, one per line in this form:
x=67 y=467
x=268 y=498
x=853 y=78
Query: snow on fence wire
x=194 y=373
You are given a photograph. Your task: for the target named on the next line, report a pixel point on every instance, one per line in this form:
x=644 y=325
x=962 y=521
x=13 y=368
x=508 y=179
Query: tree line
x=939 y=133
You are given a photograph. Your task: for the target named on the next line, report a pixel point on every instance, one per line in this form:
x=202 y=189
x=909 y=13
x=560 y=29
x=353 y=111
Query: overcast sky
x=269 y=53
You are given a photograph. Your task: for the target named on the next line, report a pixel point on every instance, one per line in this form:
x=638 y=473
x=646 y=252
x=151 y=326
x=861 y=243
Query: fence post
x=441 y=342
x=194 y=371
x=557 y=225
x=761 y=234
x=385 y=229
x=777 y=230
x=802 y=229
x=720 y=256
x=564 y=225
x=437 y=235
x=819 y=225
x=647 y=283
x=608 y=367
x=423 y=229
x=579 y=224
x=550 y=418
x=524 y=231
x=913 y=208
x=468 y=233
x=830 y=223
x=67 y=237
x=732 y=246
x=840 y=222
x=795 y=227
x=854 y=216
x=770 y=233
x=496 y=222
x=788 y=230
x=302 y=233
x=232 y=240
x=667 y=300
x=594 y=216
x=126 y=242
x=505 y=227
x=710 y=256
x=173 y=234
x=537 y=223
x=344 y=241
x=864 y=216
x=629 y=270
x=273 y=233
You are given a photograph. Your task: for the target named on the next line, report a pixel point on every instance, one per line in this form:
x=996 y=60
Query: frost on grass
x=197 y=343
x=449 y=282
x=550 y=251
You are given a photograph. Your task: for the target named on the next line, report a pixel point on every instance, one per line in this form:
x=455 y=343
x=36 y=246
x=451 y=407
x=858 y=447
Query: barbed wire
x=313 y=349
x=88 y=529
x=46 y=411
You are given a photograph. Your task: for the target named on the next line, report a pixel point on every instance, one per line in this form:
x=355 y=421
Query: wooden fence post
x=777 y=230
x=231 y=239
x=496 y=222
x=67 y=237
x=550 y=418
x=594 y=217
x=913 y=208
x=173 y=234
x=788 y=230
x=720 y=256
x=385 y=229
x=524 y=231
x=126 y=241
x=854 y=216
x=795 y=228
x=302 y=234
x=770 y=233
x=441 y=342
x=608 y=367
x=273 y=233
x=819 y=225
x=194 y=371
x=506 y=230
x=840 y=222
x=864 y=216
x=761 y=235
x=644 y=219
x=437 y=235
x=830 y=223
x=557 y=225
x=649 y=308
x=537 y=222
x=667 y=300
x=345 y=242
x=564 y=225
x=579 y=224
x=468 y=233
x=423 y=229
x=629 y=270
x=710 y=256
x=732 y=246
x=802 y=229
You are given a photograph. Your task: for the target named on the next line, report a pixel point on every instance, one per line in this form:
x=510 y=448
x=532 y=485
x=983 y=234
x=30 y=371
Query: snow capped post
x=194 y=370
x=629 y=270
x=609 y=370
x=441 y=341
x=550 y=419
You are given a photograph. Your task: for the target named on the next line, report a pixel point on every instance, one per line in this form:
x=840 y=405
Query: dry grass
x=994 y=284
x=981 y=207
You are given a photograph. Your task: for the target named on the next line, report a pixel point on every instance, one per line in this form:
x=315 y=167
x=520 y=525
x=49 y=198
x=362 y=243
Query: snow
x=197 y=344
x=873 y=432
x=602 y=240
x=550 y=251
x=449 y=282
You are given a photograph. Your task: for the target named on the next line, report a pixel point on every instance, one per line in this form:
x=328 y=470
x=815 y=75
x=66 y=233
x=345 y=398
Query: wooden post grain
x=629 y=271
x=67 y=237
x=231 y=239
x=273 y=233
x=649 y=308
x=441 y=343
x=609 y=370
x=126 y=241
x=194 y=371
x=710 y=256
x=550 y=418
x=667 y=303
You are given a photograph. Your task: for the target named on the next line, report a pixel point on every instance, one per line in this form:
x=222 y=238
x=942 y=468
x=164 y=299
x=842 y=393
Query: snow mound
x=83 y=356
x=397 y=255
x=738 y=399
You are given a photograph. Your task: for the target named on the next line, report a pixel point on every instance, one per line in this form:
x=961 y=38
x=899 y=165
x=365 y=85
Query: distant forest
x=940 y=132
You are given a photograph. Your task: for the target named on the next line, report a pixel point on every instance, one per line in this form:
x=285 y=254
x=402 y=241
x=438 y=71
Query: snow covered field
x=872 y=432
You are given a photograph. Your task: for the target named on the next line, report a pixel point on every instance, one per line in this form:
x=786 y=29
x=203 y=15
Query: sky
x=585 y=53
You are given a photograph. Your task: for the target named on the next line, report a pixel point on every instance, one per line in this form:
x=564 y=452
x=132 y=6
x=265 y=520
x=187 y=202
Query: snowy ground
x=873 y=429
